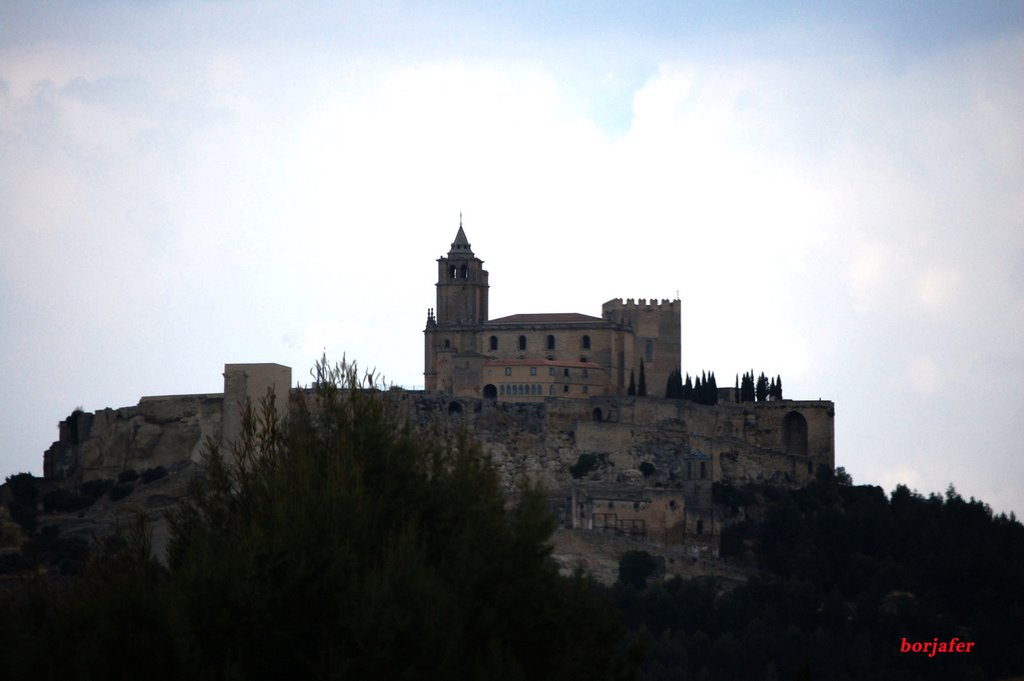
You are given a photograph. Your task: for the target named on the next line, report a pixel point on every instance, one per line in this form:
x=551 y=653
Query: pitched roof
x=545 y=318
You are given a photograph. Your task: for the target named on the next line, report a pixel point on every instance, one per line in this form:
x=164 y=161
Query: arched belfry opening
x=794 y=433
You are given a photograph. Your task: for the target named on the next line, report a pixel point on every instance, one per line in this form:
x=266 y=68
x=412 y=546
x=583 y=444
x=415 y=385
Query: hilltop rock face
x=159 y=431
x=632 y=466
x=751 y=442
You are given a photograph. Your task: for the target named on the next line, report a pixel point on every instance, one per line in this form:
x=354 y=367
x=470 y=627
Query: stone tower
x=461 y=285
x=461 y=309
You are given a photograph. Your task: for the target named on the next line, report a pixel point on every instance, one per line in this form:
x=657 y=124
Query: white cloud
x=826 y=215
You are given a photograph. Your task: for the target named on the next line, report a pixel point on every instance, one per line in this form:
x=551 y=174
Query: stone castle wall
x=653 y=460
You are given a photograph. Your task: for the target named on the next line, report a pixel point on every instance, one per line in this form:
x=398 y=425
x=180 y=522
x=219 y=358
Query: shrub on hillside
x=130 y=475
x=151 y=474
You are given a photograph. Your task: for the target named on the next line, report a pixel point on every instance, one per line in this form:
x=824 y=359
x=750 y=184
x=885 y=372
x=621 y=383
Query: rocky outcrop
x=159 y=431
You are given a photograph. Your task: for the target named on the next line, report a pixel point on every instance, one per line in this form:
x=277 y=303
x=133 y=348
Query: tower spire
x=461 y=244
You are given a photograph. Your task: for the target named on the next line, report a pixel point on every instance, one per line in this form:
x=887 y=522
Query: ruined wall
x=159 y=431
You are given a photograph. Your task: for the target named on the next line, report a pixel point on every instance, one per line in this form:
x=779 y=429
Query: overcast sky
x=836 y=194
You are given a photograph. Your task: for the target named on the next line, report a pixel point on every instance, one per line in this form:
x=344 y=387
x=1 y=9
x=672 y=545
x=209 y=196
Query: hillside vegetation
x=343 y=546
x=845 y=574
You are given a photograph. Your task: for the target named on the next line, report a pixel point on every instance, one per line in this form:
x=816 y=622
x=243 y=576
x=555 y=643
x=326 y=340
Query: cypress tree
x=688 y=388
x=641 y=386
x=674 y=386
x=712 y=389
x=778 y=386
x=632 y=384
x=747 y=387
x=736 y=395
x=761 y=389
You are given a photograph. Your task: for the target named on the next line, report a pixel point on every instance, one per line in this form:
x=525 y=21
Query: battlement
x=618 y=310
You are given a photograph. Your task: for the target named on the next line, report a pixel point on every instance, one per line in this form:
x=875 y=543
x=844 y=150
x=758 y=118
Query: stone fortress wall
x=645 y=465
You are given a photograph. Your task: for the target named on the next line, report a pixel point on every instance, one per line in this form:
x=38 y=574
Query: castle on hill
x=546 y=395
x=528 y=357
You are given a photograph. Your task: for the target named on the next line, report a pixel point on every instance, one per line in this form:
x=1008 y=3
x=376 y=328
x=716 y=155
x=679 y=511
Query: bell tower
x=455 y=326
x=461 y=285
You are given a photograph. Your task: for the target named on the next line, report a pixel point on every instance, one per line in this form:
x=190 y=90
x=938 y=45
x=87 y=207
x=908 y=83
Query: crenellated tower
x=655 y=337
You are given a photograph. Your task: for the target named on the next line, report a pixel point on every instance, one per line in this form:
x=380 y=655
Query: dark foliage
x=635 y=567
x=747 y=393
x=585 y=463
x=63 y=500
x=24 y=505
x=151 y=474
x=846 y=573
x=345 y=545
x=702 y=391
x=674 y=385
x=120 y=490
x=761 y=388
x=129 y=475
x=641 y=385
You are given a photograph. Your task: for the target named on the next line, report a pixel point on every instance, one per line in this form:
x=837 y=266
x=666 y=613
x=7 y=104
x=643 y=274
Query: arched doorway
x=490 y=392
x=794 y=433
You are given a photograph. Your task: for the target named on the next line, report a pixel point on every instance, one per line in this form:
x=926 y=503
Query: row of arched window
x=534 y=389
x=584 y=342
x=521 y=389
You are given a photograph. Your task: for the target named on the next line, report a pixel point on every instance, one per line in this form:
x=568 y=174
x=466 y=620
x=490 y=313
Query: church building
x=530 y=357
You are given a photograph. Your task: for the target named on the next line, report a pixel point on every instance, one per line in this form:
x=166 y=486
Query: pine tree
x=641 y=386
x=631 y=390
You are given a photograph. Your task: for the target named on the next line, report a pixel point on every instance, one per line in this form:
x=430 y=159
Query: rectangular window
x=567 y=371
x=703 y=470
x=508 y=371
x=586 y=388
x=551 y=371
x=533 y=371
x=586 y=373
